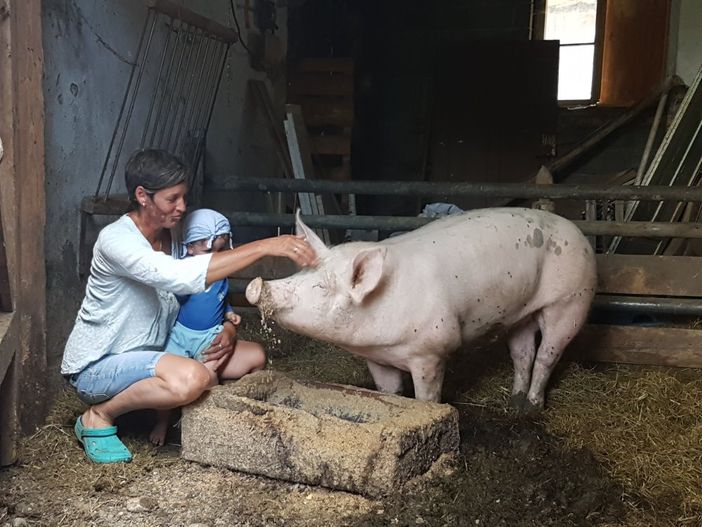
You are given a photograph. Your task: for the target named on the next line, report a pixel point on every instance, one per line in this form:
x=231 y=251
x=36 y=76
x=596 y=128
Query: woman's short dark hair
x=154 y=170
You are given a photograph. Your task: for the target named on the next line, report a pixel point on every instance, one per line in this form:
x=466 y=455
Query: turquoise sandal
x=102 y=445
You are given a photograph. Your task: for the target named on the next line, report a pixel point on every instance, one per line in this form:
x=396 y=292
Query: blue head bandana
x=205 y=224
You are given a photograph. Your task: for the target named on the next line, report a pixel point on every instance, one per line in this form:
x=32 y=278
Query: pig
x=405 y=304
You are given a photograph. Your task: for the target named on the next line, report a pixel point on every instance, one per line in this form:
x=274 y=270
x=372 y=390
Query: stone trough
x=336 y=436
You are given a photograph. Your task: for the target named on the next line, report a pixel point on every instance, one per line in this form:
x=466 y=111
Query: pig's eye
x=324 y=284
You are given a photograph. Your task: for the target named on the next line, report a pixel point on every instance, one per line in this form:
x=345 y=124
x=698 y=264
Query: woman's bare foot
x=158 y=433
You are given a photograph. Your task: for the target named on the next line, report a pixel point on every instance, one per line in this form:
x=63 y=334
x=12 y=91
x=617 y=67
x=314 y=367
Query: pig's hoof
x=523 y=406
x=532 y=410
x=518 y=401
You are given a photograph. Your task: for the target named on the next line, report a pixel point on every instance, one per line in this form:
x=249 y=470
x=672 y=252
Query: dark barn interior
x=373 y=118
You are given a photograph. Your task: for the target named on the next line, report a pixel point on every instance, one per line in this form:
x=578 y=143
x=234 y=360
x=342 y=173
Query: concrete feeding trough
x=336 y=436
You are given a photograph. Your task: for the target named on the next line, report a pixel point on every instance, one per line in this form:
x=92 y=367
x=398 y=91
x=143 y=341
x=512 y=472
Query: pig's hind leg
x=522 y=348
x=386 y=378
x=559 y=323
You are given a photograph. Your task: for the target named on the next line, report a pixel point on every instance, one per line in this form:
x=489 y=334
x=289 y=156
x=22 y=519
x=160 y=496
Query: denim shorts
x=112 y=374
x=191 y=343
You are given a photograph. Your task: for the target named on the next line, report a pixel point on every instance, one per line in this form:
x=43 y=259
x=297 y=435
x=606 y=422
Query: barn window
x=601 y=47
x=574 y=23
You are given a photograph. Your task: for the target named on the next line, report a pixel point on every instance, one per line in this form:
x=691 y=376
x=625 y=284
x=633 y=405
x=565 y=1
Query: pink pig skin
x=406 y=303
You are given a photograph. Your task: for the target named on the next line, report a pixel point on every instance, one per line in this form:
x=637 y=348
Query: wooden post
x=544 y=177
x=23 y=372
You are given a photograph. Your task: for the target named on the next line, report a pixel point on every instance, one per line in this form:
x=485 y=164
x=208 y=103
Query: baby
x=201 y=316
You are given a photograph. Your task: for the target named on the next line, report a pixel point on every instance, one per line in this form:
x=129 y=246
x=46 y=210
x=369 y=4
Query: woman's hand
x=222 y=346
x=294 y=247
x=225 y=263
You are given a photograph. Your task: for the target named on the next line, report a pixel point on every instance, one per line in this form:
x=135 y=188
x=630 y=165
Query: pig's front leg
x=428 y=377
x=387 y=379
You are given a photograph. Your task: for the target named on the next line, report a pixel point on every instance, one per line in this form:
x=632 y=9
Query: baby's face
x=220 y=243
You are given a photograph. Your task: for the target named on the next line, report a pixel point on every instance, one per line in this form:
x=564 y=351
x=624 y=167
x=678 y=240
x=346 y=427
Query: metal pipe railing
x=649 y=304
x=492 y=190
x=403 y=223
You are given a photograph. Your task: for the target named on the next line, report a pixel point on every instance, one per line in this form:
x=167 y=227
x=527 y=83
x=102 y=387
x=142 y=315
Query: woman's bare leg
x=178 y=381
x=248 y=357
x=160 y=429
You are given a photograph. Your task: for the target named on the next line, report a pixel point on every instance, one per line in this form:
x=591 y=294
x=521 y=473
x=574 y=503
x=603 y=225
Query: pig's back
x=521 y=255
x=497 y=230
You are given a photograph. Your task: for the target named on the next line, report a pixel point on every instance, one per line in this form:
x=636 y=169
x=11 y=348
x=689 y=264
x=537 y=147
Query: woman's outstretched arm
x=225 y=263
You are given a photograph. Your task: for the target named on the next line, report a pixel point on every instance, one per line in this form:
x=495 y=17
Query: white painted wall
x=88 y=48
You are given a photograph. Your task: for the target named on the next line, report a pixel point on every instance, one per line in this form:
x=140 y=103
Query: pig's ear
x=367 y=273
x=311 y=237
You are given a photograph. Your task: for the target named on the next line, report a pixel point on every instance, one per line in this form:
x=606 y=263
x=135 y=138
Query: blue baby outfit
x=200 y=316
x=206 y=309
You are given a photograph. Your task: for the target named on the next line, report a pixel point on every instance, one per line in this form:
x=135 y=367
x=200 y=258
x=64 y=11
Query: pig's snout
x=253 y=291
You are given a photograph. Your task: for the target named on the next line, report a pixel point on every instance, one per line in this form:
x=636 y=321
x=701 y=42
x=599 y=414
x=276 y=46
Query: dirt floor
x=617 y=446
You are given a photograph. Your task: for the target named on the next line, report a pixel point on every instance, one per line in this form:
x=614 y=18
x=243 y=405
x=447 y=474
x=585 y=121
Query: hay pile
x=53 y=455
x=643 y=423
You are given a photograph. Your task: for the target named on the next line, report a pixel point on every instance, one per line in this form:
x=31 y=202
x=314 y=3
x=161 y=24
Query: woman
x=114 y=356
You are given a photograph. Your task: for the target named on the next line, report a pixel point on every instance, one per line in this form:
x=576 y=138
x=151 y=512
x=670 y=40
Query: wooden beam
x=9 y=330
x=649 y=275
x=115 y=205
x=269 y=268
x=9 y=413
x=662 y=346
x=320 y=84
x=24 y=207
x=5 y=289
x=320 y=111
x=9 y=427
x=335 y=145
x=274 y=124
x=326 y=65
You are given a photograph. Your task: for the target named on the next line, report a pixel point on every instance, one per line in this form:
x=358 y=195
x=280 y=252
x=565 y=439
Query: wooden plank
x=662 y=346
x=649 y=275
x=9 y=414
x=320 y=84
x=300 y=156
x=319 y=111
x=9 y=426
x=8 y=340
x=273 y=124
x=268 y=267
x=328 y=65
x=9 y=214
x=8 y=172
x=298 y=144
x=5 y=290
x=114 y=205
x=339 y=145
x=341 y=172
